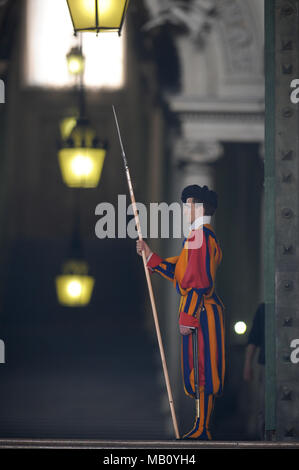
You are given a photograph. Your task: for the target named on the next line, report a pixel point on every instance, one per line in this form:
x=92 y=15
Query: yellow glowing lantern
x=98 y=15
x=75 y=61
x=81 y=157
x=74 y=286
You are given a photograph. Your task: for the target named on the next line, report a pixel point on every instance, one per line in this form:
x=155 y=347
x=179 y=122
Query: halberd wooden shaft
x=149 y=284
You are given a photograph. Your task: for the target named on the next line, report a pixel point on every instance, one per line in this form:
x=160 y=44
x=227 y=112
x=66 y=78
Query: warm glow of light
x=97 y=16
x=88 y=5
x=81 y=168
x=75 y=65
x=82 y=165
x=105 y=5
x=50 y=36
x=240 y=327
x=74 y=290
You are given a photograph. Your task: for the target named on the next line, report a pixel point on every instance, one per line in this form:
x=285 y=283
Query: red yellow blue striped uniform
x=193 y=275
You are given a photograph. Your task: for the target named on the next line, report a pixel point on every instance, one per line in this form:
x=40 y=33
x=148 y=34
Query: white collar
x=205 y=219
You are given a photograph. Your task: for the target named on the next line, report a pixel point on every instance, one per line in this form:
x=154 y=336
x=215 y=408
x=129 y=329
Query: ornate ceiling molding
x=194 y=151
x=217 y=110
x=196 y=17
x=232 y=18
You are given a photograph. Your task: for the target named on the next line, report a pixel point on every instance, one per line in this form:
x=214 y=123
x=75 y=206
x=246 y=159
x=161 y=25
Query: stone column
x=194 y=161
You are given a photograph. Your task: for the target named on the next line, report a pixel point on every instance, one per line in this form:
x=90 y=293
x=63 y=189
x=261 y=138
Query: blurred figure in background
x=256 y=340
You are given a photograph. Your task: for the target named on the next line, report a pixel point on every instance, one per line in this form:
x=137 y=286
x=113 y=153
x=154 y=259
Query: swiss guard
x=201 y=310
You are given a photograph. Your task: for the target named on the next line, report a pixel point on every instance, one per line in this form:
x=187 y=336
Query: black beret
x=202 y=193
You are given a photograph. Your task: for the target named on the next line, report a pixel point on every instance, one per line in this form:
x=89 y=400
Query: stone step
x=142 y=444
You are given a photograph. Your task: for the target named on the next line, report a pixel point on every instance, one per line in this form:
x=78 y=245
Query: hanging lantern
x=81 y=157
x=98 y=15
x=74 y=286
x=66 y=126
x=75 y=61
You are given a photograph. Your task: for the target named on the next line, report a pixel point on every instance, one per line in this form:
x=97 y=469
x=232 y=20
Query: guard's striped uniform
x=193 y=275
